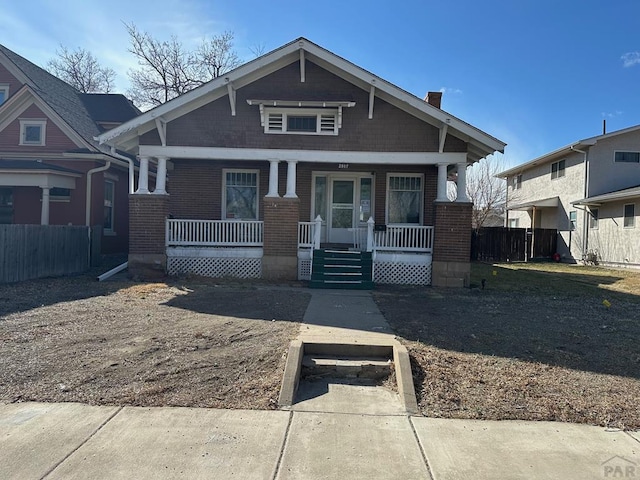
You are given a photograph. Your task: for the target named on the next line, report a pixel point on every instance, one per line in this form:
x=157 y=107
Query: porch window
x=593 y=218
x=629 y=215
x=109 y=191
x=404 y=199
x=240 y=194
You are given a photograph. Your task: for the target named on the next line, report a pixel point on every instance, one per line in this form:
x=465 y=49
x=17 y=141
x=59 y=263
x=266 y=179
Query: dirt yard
x=539 y=342
x=191 y=343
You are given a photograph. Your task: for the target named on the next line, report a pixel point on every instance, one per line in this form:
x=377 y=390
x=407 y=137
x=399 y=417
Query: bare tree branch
x=80 y=69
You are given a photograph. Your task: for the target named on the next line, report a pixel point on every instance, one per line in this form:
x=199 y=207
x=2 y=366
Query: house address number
x=343 y=165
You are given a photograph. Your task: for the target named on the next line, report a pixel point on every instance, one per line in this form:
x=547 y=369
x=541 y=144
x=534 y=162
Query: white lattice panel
x=215 y=267
x=401 y=273
x=304 y=269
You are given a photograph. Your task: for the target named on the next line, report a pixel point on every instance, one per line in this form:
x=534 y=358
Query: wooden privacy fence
x=499 y=244
x=36 y=251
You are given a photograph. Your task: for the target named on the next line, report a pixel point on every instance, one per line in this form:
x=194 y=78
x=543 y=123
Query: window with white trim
x=593 y=218
x=513 y=223
x=404 y=198
x=33 y=132
x=630 y=215
x=557 y=169
x=626 y=157
x=517 y=182
x=4 y=92
x=240 y=192
x=573 y=220
x=109 y=196
x=309 y=121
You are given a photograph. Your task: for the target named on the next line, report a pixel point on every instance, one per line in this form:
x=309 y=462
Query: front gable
x=389 y=129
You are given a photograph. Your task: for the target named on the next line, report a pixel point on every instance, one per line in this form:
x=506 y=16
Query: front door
x=342 y=210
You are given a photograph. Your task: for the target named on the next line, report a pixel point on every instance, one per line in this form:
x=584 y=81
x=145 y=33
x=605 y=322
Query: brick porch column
x=147 y=218
x=452 y=245
x=280 y=259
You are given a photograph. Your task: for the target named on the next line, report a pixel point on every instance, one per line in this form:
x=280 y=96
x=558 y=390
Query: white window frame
x=300 y=112
x=573 y=222
x=388 y=191
x=24 y=123
x=513 y=223
x=4 y=87
x=517 y=182
x=625 y=151
x=112 y=206
x=632 y=218
x=559 y=173
x=224 y=191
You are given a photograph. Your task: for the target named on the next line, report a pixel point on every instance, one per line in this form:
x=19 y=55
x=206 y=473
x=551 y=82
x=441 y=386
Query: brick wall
x=281 y=216
x=452 y=242
x=147 y=214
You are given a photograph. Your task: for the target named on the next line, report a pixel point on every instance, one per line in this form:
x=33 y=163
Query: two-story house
x=589 y=191
x=52 y=171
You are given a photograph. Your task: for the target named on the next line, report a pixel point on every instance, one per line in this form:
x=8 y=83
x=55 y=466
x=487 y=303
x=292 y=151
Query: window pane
x=32 y=133
x=302 y=123
x=242 y=195
x=573 y=220
x=404 y=199
x=593 y=218
x=109 y=188
x=365 y=199
x=320 y=198
x=343 y=191
x=629 y=215
x=3 y=96
x=627 y=157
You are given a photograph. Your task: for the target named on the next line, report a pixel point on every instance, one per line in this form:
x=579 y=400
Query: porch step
x=346 y=367
x=341 y=269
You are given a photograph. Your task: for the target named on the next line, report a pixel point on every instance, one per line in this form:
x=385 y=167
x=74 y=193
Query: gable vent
x=328 y=123
x=275 y=122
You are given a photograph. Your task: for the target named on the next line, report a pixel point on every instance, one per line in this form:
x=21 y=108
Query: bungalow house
x=589 y=191
x=52 y=171
x=262 y=170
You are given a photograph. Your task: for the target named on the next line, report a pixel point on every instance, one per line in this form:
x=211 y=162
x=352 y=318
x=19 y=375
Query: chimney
x=434 y=98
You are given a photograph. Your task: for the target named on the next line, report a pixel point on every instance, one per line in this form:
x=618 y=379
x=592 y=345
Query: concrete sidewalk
x=319 y=440
x=72 y=441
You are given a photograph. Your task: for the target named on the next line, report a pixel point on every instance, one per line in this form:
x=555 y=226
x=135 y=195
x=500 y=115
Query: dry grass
x=537 y=343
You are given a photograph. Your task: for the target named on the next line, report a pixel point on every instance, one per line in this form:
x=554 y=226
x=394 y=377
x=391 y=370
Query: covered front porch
x=235 y=248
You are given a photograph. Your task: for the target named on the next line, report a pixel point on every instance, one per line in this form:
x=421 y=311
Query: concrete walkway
x=73 y=441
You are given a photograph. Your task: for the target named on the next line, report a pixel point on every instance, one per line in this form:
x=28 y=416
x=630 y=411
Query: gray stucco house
x=589 y=191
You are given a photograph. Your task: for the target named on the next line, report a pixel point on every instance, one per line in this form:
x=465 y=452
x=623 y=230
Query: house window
x=4 y=92
x=593 y=218
x=513 y=223
x=557 y=169
x=626 y=157
x=404 y=199
x=573 y=220
x=517 y=182
x=57 y=194
x=323 y=121
x=109 y=195
x=629 y=215
x=240 y=194
x=32 y=132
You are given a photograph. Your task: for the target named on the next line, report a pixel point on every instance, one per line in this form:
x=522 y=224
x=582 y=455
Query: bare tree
x=167 y=69
x=259 y=49
x=81 y=69
x=485 y=190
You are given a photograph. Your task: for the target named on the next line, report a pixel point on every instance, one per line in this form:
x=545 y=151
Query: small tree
x=80 y=69
x=167 y=70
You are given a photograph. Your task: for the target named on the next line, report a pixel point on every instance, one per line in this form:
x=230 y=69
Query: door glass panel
x=342 y=204
x=343 y=191
x=320 y=198
x=365 y=199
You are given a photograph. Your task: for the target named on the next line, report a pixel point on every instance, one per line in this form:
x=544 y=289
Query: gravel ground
x=531 y=346
x=191 y=343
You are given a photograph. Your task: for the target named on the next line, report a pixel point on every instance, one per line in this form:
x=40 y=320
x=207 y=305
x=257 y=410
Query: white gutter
x=131 y=167
x=87 y=218
x=585 y=222
x=113 y=271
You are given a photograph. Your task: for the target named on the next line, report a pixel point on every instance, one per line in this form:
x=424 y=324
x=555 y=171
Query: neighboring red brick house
x=260 y=169
x=52 y=171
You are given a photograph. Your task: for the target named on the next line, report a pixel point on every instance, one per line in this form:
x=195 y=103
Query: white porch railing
x=309 y=234
x=214 y=233
x=404 y=238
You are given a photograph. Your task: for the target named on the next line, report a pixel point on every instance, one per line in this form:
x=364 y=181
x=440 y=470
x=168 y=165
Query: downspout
x=87 y=218
x=114 y=153
x=585 y=223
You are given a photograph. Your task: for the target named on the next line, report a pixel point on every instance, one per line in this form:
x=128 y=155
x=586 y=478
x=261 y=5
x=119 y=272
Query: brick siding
x=147 y=214
x=281 y=216
x=452 y=242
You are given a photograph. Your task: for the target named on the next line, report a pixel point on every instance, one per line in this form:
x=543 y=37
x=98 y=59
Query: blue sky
x=536 y=74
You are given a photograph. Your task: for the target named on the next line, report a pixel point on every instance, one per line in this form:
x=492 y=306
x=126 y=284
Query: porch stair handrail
x=214 y=233
x=309 y=234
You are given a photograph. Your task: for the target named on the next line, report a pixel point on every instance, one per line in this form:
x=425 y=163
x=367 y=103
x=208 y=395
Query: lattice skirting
x=401 y=273
x=215 y=267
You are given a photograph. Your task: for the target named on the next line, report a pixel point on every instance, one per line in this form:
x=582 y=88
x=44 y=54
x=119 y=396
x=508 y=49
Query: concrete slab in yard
x=347 y=447
x=462 y=449
x=346 y=396
x=635 y=435
x=35 y=437
x=189 y=443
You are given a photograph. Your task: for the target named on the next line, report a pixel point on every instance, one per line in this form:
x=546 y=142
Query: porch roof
x=618 y=195
x=551 y=202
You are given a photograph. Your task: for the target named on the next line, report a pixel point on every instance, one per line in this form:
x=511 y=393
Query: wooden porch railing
x=214 y=233
x=404 y=238
x=309 y=233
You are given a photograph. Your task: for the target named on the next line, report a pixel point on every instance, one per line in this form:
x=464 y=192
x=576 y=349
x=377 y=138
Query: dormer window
x=32 y=132
x=301 y=118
